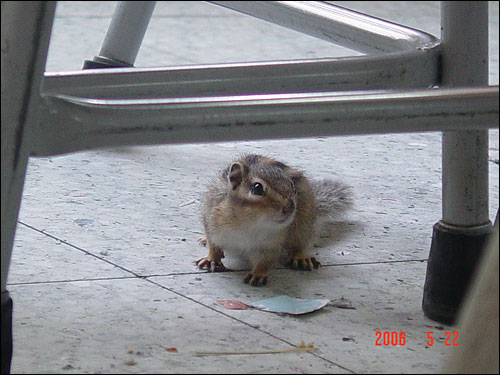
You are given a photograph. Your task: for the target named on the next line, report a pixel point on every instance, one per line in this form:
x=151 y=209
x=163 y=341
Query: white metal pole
x=459 y=238
x=125 y=34
x=465 y=153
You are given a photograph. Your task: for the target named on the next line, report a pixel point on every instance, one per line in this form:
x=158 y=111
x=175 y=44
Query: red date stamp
x=393 y=338
x=398 y=338
x=450 y=338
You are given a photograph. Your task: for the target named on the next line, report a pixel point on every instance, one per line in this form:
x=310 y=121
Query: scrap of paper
x=290 y=305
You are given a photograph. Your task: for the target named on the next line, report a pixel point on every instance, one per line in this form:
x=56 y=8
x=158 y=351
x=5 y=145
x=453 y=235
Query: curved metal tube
x=337 y=25
x=70 y=123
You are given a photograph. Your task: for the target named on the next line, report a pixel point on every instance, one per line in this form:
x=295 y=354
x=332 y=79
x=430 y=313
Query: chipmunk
x=259 y=208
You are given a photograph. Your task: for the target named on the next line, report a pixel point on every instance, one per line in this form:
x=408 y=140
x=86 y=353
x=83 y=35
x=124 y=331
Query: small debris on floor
x=302 y=347
x=192 y=201
x=342 y=303
x=83 y=222
x=171 y=350
x=342 y=253
x=232 y=304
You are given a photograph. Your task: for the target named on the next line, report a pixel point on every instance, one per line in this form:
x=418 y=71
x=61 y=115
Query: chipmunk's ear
x=237 y=171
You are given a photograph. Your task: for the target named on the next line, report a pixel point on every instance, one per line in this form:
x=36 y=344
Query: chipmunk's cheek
x=285 y=214
x=289 y=208
x=283 y=218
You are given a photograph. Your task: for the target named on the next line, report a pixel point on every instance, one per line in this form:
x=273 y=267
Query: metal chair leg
x=6 y=332
x=24 y=52
x=124 y=37
x=459 y=238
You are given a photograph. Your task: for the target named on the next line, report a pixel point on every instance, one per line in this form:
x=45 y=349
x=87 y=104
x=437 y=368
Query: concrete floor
x=102 y=275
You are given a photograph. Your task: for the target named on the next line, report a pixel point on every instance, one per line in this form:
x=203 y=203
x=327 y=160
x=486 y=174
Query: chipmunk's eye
x=257 y=189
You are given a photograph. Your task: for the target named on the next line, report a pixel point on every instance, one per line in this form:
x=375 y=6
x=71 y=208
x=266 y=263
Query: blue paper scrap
x=290 y=305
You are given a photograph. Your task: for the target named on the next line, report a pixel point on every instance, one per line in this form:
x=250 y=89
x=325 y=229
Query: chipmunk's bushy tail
x=333 y=198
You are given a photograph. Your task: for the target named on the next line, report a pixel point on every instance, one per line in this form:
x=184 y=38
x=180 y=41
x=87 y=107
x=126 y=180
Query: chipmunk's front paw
x=255 y=280
x=303 y=263
x=211 y=265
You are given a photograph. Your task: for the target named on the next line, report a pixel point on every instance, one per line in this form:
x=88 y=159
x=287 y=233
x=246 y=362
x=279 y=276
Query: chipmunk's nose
x=289 y=208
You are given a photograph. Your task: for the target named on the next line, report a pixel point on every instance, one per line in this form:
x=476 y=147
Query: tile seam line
x=70 y=281
x=183 y=273
x=287 y=268
x=136 y=275
x=191 y=273
x=190 y=299
x=248 y=325
x=80 y=249
x=193 y=301
x=111 y=278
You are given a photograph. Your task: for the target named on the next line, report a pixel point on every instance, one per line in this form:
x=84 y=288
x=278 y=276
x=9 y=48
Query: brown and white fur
x=259 y=208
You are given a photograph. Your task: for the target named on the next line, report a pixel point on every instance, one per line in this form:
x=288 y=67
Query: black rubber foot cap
x=104 y=63
x=452 y=261
x=6 y=333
